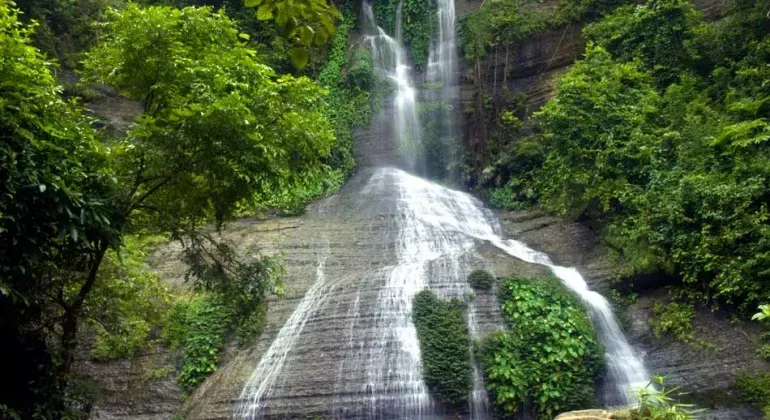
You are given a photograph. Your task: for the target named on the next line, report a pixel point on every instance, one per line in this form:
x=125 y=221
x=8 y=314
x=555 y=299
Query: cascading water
x=267 y=372
x=431 y=235
x=390 y=62
x=442 y=87
x=458 y=214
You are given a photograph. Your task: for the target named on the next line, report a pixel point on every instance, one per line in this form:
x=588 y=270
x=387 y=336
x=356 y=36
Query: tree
x=220 y=129
x=56 y=220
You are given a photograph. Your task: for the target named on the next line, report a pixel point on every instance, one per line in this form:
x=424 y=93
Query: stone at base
x=585 y=415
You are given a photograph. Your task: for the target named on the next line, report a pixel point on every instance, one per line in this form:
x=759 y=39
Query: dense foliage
x=673 y=318
x=128 y=300
x=199 y=324
x=500 y=23
x=550 y=357
x=55 y=221
x=221 y=133
x=444 y=348
x=659 y=136
x=350 y=80
x=197 y=141
x=306 y=22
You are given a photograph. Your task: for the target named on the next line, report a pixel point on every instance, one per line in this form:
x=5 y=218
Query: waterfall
x=442 y=88
x=390 y=62
x=430 y=235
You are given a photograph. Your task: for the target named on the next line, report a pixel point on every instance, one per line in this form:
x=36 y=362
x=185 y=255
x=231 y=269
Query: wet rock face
x=126 y=389
x=346 y=244
x=324 y=375
x=707 y=373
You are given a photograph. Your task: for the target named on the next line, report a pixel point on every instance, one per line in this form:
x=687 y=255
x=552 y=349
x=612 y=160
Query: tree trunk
x=72 y=315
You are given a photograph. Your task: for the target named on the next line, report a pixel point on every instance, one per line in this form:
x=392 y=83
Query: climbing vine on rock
x=481 y=279
x=200 y=325
x=349 y=80
x=444 y=347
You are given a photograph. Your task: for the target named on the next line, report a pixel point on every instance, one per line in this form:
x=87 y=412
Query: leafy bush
x=127 y=301
x=550 y=355
x=349 y=99
x=444 y=347
x=594 y=133
x=673 y=318
x=755 y=389
x=481 y=279
x=206 y=321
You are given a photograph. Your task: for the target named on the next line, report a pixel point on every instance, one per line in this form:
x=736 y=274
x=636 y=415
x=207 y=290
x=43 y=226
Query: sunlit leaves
x=52 y=183
x=307 y=22
x=220 y=130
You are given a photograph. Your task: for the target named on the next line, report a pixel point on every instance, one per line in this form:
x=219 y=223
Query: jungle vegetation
x=657 y=137
x=239 y=116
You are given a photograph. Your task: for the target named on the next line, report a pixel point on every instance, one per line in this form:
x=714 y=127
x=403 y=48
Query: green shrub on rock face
x=550 y=356
x=755 y=389
x=481 y=279
x=444 y=348
x=675 y=319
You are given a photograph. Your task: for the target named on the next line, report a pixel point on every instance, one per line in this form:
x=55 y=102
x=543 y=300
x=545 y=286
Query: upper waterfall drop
x=390 y=61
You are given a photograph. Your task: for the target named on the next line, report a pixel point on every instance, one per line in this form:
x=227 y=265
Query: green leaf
x=299 y=57
x=265 y=12
x=306 y=35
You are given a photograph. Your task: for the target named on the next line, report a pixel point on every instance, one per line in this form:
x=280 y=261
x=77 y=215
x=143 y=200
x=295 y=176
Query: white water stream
x=389 y=58
x=269 y=368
